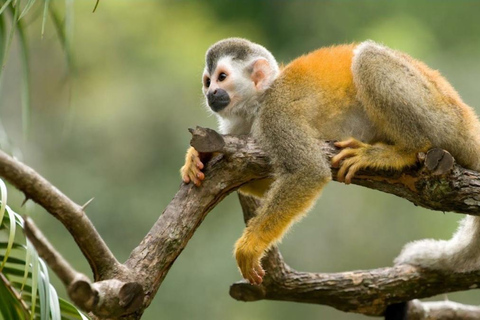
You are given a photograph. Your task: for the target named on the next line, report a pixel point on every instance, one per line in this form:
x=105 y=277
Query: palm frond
x=24 y=280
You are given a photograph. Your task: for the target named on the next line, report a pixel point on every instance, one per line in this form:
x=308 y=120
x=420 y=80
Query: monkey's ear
x=261 y=74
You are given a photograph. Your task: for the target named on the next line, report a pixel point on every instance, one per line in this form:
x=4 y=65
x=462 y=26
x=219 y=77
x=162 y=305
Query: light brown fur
x=381 y=105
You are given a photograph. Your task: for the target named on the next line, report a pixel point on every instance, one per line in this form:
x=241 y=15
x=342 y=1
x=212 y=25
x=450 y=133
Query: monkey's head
x=236 y=73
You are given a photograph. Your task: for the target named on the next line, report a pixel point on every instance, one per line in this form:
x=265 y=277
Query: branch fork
x=125 y=290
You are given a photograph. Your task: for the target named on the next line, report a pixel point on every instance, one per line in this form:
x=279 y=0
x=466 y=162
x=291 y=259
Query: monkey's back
x=327 y=69
x=326 y=99
x=325 y=94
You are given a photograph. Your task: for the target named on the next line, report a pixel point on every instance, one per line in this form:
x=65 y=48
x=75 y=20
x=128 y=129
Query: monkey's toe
x=249 y=265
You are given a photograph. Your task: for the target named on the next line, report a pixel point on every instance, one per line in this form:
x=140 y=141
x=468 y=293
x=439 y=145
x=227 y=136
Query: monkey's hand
x=248 y=252
x=192 y=170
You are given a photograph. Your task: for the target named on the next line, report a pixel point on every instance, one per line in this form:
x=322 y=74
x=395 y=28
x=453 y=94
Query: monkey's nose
x=218 y=99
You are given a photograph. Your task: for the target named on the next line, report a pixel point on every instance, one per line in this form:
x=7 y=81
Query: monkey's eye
x=222 y=76
x=207 y=82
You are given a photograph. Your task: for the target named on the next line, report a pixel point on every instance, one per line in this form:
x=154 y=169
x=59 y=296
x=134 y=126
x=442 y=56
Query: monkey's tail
x=461 y=253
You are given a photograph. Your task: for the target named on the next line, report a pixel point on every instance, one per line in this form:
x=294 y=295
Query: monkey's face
x=218 y=86
x=227 y=86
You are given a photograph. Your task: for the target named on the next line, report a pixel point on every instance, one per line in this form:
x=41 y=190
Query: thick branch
x=70 y=214
x=170 y=234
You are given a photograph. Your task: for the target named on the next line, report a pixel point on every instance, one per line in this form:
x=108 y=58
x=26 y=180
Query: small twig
x=25 y=201
x=87 y=203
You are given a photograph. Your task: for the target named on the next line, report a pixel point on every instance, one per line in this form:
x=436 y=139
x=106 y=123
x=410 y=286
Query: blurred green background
x=117 y=131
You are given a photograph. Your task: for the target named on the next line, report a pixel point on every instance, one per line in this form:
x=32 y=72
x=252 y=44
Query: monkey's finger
x=351 y=172
x=199 y=163
x=193 y=178
x=259 y=271
x=185 y=174
x=349 y=143
x=344 y=169
x=254 y=277
x=344 y=154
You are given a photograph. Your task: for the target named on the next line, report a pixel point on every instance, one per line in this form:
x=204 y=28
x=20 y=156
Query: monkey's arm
x=300 y=174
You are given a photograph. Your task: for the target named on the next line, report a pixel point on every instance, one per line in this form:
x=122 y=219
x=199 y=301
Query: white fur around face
x=237 y=118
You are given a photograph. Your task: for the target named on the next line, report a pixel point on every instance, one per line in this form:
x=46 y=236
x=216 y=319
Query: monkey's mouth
x=218 y=104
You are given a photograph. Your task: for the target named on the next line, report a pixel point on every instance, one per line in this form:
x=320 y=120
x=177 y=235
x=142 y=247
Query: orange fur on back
x=329 y=68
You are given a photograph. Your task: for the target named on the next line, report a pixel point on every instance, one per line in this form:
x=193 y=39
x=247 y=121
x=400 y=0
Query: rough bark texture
x=125 y=290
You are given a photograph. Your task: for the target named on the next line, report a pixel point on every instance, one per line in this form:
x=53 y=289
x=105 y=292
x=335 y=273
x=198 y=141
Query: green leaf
x=3 y=194
x=5 y=5
x=96 y=5
x=26 y=106
x=62 y=37
x=44 y=18
x=35 y=265
x=10 y=307
x=3 y=36
x=11 y=236
x=27 y=7
x=28 y=258
x=44 y=290
x=54 y=304
x=14 y=11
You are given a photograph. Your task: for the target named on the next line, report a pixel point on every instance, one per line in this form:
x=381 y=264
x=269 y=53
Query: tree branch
x=434 y=183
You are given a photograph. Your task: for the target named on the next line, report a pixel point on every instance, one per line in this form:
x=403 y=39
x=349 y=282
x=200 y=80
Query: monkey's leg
x=413 y=108
x=409 y=111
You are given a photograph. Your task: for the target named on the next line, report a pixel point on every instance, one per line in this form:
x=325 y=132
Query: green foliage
x=24 y=281
x=17 y=14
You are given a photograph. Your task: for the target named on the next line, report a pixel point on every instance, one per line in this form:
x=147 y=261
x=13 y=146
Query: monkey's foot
x=192 y=170
x=248 y=261
x=351 y=159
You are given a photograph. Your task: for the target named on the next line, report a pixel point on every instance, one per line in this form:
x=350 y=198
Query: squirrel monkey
x=382 y=106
